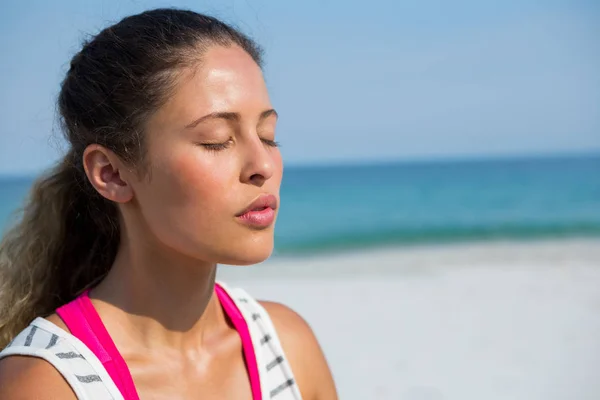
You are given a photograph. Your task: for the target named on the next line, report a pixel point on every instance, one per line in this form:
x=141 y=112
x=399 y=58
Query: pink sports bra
x=83 y=321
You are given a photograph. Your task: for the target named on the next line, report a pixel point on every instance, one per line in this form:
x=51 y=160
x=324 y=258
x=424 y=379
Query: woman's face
x=211 y=154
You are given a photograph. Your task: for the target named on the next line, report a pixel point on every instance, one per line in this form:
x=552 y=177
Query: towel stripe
x=68 y=356
x=88 y=378
x=274 y=363
x=52 y=342
x=29 y=338
x=265 y=339
x=282 y=387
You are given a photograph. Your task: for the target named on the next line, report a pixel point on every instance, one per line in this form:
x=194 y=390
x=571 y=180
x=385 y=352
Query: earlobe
x=104 y=171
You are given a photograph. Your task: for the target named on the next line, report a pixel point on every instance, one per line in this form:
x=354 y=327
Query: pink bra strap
x=238 y=321
x=83 y=321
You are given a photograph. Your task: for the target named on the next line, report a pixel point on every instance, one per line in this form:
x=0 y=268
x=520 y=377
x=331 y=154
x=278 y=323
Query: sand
x=478 y=321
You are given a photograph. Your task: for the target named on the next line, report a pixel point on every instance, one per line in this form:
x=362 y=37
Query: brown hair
x=68 y=235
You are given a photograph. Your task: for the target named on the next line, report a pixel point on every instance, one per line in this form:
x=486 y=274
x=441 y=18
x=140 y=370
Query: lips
x=260 y=204
x=260 y=214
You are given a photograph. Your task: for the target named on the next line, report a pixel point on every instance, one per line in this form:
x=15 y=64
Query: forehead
x=227 y=79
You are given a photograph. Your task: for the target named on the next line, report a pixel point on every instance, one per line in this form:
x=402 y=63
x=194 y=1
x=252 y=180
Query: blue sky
x=352 y=80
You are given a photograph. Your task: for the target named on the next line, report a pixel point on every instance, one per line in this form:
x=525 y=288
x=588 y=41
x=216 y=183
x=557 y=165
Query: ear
x=106 y=173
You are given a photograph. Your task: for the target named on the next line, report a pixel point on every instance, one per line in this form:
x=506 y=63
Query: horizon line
x=418 y=160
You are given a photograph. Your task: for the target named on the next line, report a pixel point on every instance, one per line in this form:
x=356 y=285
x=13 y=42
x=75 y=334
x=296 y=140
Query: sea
x=328 y=209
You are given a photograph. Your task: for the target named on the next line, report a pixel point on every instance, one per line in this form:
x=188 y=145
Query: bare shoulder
x=303 y=352
x=18 y=373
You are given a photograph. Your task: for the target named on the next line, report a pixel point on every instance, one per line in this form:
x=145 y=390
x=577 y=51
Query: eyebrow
x=229 y=116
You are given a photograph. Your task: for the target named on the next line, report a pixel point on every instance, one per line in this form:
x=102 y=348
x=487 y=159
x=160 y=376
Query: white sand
x=485 y=321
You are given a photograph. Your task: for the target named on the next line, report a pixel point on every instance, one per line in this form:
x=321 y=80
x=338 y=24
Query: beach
x=488 y=320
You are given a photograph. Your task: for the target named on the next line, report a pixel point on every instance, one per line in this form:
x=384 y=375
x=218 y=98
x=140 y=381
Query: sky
x=352 y=81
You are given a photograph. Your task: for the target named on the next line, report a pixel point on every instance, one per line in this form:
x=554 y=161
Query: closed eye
x=225 y=145
x=217 y=146
x=270 y=143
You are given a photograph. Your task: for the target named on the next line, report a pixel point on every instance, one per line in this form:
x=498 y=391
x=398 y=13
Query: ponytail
x=65 y=242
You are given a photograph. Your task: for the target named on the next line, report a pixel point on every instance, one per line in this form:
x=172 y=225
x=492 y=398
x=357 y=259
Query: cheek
x=189 y=191
x=202 y=183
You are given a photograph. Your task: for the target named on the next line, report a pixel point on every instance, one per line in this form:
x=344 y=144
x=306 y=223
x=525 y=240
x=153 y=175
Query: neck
x=162 y=299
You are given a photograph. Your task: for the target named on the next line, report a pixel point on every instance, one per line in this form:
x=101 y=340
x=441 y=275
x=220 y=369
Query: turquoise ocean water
x=331 y=208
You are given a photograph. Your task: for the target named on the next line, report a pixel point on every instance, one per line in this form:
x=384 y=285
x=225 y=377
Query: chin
x=254 y=257
x=247 y=254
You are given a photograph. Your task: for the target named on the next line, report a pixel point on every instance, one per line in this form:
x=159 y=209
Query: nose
x=258 y=165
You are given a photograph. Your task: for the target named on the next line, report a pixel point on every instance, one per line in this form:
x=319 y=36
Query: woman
x=173 y=168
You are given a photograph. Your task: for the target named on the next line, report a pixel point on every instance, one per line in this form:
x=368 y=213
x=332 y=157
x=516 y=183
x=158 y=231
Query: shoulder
x=17 y=373
x=303 y=352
